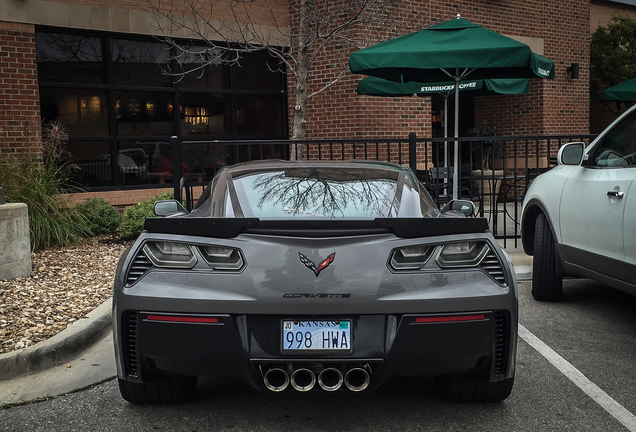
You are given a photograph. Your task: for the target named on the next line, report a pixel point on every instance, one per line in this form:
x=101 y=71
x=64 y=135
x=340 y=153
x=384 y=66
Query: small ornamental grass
x=40 y=183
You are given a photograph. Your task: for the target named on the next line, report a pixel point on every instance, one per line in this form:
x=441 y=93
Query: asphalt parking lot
x=574 y=372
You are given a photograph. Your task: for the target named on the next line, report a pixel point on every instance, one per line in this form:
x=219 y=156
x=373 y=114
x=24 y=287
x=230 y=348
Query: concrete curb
x=59 y=349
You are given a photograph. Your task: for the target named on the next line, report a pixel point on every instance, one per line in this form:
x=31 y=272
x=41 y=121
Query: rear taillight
x=223 y=258
x=462 y=254
x=410 y=258
x=170 y=254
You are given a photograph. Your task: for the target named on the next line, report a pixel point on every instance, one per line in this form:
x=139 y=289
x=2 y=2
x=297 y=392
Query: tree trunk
x=302 y=74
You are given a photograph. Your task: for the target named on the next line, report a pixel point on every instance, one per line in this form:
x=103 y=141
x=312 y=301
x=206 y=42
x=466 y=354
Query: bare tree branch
x=308 y=30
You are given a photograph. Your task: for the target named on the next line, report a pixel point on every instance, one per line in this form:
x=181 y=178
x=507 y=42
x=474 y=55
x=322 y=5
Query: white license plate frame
x=316 y=336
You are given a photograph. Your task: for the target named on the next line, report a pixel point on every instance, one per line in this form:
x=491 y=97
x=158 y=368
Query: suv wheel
x=547 y=285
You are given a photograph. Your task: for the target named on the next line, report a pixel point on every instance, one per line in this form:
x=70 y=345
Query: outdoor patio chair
x=513 y=189
x=441 y=187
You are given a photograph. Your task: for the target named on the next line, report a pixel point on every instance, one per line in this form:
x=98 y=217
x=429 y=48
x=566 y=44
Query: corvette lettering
x=315 y=295
x=311 y=266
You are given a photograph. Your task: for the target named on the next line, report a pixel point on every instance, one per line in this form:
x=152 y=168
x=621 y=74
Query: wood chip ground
x=66 y=284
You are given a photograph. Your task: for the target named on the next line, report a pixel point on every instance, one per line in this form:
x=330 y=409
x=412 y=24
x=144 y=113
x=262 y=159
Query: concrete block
x=15 y=246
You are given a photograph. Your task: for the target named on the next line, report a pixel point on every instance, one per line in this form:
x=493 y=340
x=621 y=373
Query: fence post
x=176 y=167
x=412 y=152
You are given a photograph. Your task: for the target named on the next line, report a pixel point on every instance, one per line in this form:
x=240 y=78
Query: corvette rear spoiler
x=232 y=227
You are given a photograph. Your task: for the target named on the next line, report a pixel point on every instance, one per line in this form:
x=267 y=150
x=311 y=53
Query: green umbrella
x=373 y=86
x=625 y=91
x=432 y=54
x=453 y=49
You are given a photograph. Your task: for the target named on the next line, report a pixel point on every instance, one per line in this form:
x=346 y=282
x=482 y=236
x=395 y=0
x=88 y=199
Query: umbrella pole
x=445 y=96
x=456 y=150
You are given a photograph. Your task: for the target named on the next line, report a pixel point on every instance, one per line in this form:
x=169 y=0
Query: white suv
x=578 y=218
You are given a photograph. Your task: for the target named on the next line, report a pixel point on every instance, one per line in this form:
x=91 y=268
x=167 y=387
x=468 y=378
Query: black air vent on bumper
x=140 y=265
x=492 y=266
x=502 y=341
x=129 y=336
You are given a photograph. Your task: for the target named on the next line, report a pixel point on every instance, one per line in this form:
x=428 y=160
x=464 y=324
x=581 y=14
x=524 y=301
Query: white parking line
x=592 y=390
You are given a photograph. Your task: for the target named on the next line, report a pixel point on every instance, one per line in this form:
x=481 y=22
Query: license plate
x=317 y=335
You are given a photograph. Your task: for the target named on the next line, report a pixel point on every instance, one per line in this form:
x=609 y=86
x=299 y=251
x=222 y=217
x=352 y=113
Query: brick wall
x=19 y=97
x=123 y=199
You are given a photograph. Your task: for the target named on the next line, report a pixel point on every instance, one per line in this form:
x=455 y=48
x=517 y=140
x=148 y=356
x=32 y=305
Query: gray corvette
x=315 y=276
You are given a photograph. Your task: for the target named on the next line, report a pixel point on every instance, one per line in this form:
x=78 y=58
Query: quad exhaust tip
x=276 y=380
x=330 y=379
x=357 y=379
x=302 y=379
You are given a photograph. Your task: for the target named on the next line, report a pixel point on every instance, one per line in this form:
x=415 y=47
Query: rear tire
x=170 y=390
x=457 y=389
x=547 y=285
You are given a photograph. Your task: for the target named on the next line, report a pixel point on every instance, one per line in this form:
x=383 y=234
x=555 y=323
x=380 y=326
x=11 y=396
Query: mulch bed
x=66 y=284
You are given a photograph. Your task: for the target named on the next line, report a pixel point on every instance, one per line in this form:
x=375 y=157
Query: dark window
x=201 y=68
x=68 y=58
x=90 y=162
x=202 y=161
x=134 y=164
x=259 y=71
x=148 y=162
x=144 y=113
x=138 y=63
x=205 y=114
x=260 y=115
x=84 y=112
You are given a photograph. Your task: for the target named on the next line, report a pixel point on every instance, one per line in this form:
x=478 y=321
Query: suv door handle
x=615 y=194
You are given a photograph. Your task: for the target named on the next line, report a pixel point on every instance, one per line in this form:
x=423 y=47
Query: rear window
x=317 y=193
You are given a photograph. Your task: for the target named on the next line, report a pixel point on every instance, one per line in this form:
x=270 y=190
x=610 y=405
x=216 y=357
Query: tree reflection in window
x=69 y=58
x=324 y=193
x=140 y=63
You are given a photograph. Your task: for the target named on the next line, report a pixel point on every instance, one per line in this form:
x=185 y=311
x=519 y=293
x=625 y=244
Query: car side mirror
x=571 y=153
x=465 y=207
x=164 y=208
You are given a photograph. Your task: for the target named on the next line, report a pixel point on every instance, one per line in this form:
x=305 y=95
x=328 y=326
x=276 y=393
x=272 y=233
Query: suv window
x=618 y=147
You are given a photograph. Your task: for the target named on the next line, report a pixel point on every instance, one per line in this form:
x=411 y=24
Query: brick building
x=96 y=67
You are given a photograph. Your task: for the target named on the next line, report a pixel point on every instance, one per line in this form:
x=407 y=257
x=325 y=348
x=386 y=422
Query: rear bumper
x=248 y=346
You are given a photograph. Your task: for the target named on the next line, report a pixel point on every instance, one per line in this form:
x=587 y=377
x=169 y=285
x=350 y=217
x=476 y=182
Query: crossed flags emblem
x=311 y=266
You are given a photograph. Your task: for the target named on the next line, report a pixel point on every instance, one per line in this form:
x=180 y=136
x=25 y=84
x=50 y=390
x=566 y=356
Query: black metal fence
x=494 y=172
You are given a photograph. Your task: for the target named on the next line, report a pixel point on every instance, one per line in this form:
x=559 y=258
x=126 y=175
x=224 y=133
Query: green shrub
x=102 y=217
x=135 y=216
